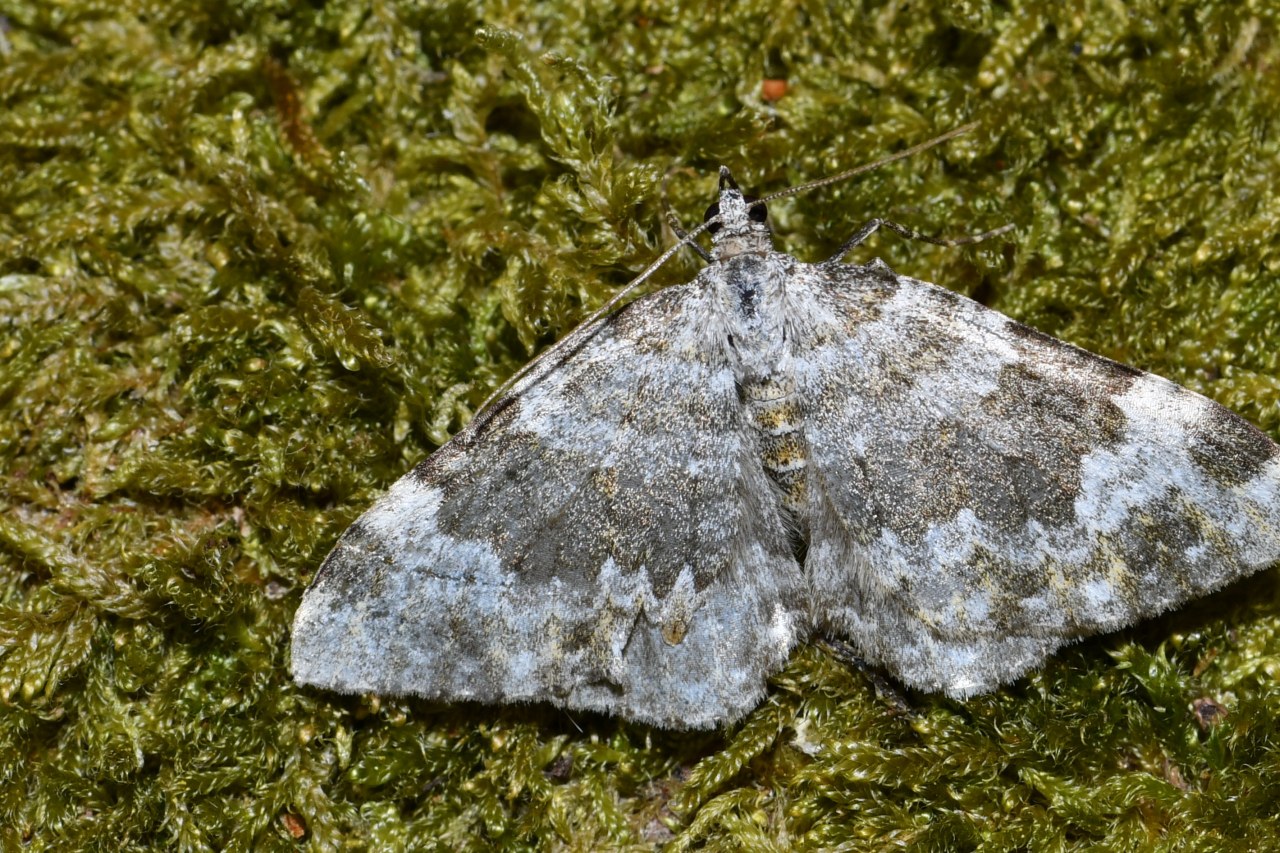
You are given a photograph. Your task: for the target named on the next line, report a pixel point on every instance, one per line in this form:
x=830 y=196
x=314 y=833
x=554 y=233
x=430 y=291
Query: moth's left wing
x=600 y=538
x=982 y=493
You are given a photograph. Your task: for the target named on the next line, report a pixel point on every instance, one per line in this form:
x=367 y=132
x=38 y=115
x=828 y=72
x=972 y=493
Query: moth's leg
x=681 y=234
x=876 y=224
x=885 y=687
x=673 y=221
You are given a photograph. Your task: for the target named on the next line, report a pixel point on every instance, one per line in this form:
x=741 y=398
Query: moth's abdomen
x=774 y=410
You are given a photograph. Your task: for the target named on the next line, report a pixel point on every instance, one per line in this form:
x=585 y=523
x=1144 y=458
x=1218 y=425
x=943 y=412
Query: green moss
x=257 y=258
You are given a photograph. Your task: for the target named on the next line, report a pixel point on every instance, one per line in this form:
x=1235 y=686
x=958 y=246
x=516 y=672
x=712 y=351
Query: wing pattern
x=984 y=493
x=563 y=547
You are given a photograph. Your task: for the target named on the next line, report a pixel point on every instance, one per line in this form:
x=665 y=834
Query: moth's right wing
x=599 y=539
x=983 y=493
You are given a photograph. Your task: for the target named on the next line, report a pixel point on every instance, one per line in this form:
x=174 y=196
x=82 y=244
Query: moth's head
x=740 y=227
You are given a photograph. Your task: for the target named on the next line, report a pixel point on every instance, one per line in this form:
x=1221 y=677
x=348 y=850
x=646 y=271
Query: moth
x=658 y=510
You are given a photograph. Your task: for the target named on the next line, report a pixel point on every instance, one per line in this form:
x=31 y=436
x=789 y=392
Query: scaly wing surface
x=602 y=537
x=982 y=493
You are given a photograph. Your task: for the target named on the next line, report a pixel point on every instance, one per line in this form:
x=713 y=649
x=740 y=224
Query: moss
x=257 y=258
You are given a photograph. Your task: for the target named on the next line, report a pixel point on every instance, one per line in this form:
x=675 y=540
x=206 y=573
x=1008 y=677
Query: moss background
x=258 y=258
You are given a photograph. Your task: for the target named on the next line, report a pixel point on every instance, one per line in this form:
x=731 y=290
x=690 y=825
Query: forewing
x=983 y=493
x=598 y=540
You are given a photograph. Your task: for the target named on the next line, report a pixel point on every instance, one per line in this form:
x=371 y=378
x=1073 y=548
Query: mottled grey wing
x=598 y=540
x=983 y=493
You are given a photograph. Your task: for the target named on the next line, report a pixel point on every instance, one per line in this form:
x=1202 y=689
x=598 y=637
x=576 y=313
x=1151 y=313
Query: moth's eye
x=712 y=212
x=759 y=213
